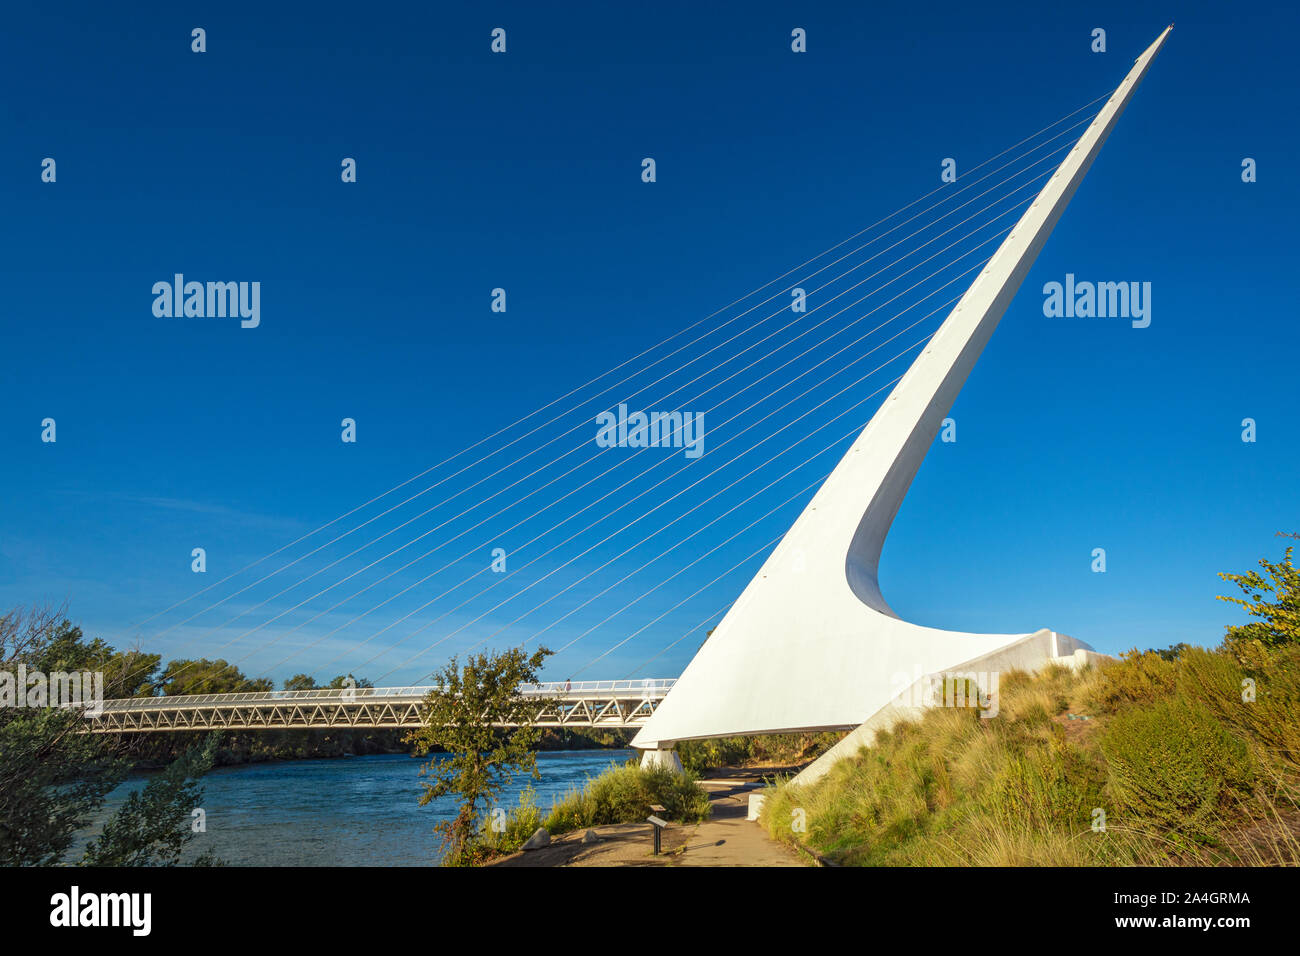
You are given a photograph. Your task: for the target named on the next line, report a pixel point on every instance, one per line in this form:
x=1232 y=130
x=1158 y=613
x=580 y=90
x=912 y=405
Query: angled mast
x=811 y=643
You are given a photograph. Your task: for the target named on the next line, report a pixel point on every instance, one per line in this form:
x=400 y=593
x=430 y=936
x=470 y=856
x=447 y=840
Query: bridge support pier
x=663 y=755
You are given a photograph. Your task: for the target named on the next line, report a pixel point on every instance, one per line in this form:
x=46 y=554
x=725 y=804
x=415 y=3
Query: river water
x=351 y=811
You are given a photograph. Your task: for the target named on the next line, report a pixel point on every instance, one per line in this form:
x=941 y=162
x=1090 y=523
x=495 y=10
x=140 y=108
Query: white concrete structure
x=811 y=643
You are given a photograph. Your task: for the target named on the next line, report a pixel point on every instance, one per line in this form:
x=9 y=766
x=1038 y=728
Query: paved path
x=725 y=839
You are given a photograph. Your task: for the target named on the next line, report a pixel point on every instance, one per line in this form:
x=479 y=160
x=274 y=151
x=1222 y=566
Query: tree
x=62 y=646
x=1274 y=598
x=131 y=674
x=52 y=779
x=347 y=680
x=463 y=715
x=154 y=824
x=208 y=677
x=53 y=775
x=300 y=682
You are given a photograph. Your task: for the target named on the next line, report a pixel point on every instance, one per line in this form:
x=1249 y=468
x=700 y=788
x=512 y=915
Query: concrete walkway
x=725 y=839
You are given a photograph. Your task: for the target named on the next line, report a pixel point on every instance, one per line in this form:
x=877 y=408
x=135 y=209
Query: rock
x=538 y=840
x=590 y=837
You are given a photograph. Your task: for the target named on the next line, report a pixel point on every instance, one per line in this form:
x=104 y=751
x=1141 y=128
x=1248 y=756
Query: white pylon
x=811 y=644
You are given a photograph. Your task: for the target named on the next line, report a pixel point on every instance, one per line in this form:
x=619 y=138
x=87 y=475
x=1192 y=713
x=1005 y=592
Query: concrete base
x=755 y=805
x=663 y=757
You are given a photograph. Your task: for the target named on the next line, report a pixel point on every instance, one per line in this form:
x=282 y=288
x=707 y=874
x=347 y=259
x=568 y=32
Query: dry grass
x=1185 y=771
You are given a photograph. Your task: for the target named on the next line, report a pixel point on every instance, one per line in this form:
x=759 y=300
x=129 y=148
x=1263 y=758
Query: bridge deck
x=609 y=704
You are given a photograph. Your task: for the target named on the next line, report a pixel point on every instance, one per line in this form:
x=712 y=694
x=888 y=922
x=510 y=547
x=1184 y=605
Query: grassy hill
x=1178 y=757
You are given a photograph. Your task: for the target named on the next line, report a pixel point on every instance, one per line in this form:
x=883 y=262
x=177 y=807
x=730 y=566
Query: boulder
x=538 y=840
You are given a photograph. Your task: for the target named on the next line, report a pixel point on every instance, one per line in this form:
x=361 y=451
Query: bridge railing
x=650 y=687
x=565 y=688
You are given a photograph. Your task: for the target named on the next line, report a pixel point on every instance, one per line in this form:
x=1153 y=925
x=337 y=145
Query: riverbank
x=244 y=747
x=727 y=838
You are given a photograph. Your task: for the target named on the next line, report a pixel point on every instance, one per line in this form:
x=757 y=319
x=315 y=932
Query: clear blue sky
x=523 y=171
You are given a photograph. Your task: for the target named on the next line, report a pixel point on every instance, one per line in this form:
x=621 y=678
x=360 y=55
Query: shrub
x=1272 y=720
x=624 y=795
x=1273 y=598
x=700 y=755
x=1051 y=786
x=520 y=824
x=1173 y=767
x=619 y=795
x=1138 y=677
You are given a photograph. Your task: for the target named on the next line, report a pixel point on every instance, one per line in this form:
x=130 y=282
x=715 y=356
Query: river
x=351 y=811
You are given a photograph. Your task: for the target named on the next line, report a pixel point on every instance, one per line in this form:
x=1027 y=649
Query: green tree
x=208 y=677
x=64 y=647
x=53 y=775
x=342 y=681
x=463 y=715
x=300 y=682
x=154 y=824
x=52 y=779
x=1274 y=598
x=131 y=674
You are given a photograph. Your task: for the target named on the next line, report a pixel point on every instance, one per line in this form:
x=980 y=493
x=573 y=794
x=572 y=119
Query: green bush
x=520 y=823
x=1174 y=768
x=1271 y=721
x=1274 y=598
x=624 y=795
x=1136 y=678
x=1045 y=786
x=700 y=755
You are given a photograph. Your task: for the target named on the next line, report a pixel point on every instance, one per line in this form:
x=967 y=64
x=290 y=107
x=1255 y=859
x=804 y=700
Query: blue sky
x=523 y=171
